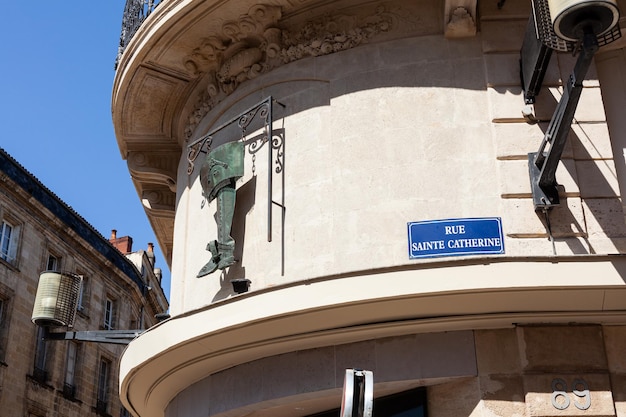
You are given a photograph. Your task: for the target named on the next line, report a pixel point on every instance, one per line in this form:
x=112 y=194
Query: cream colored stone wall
x=415 y=129
x=523 y=371
x=526 y=371
x=373 y=141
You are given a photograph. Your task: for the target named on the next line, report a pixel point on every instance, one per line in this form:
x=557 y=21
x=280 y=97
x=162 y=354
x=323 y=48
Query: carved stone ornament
x=461 y=24
x=333 y=34
x=241 y=51
x=160 y=201
x=254 y=44
x=460 y=18
x=154 y=167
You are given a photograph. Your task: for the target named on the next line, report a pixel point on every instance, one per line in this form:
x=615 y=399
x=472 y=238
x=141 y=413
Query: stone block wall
x=589 y=219
x=524 y=371
x=540 y=371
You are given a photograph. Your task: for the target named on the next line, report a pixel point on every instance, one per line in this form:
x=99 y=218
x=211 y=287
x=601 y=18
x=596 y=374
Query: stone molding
x=158 y=366
x=256 y=43
x=335 y=33
x=159 y=201
x=460 y=18
x=154 y=167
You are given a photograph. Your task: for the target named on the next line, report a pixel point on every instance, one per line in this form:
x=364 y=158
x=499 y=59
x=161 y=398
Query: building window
x=52 y=264
x=4 y=326
x=6 y=304
x=137 y=320
x=69 y=385
x=5 y=239
x=9 y=235
x=109 y=314
x=40 y=372
x=103 y=386
x=83 y=296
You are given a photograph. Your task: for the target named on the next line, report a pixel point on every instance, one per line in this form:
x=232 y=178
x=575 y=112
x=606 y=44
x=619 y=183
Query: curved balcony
x=135 y=12
x=351 y=310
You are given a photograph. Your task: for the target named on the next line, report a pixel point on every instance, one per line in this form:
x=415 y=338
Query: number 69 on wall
x=561 y=399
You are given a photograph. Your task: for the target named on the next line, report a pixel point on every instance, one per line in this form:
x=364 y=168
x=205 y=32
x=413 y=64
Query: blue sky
x=55 y=110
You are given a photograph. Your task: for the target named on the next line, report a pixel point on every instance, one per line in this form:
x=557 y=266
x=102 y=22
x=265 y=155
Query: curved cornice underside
x=188 y=56
x=168 y=358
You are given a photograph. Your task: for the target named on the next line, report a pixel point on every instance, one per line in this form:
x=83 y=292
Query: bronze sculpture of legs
x=218 y=176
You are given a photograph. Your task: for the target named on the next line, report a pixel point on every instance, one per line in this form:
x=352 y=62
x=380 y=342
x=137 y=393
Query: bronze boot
x=210 y=266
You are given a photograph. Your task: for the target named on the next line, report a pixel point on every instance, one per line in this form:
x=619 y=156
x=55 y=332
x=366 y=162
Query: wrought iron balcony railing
x=135 y=12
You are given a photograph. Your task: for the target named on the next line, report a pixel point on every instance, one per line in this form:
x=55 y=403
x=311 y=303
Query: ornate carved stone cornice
x=240 y=50
x=159 y=202
x=154 y=167
x=259 y=42
x=335 y=33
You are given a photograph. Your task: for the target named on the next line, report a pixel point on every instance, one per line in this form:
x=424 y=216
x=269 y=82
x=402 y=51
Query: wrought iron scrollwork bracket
x=258 y=116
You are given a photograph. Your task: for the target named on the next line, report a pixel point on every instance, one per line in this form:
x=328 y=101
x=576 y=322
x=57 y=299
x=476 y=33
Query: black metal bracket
x=542 y=164
x=119 y=337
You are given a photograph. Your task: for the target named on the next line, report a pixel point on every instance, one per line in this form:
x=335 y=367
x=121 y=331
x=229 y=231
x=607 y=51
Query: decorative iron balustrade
x=135 y=12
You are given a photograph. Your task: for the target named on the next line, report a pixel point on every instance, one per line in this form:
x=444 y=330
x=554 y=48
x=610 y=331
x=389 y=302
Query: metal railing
x=135 y=12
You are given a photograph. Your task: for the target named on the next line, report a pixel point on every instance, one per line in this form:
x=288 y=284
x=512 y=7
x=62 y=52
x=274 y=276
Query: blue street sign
x=455 y=237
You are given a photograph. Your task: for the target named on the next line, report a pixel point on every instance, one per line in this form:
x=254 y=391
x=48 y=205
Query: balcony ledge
x=494 y=294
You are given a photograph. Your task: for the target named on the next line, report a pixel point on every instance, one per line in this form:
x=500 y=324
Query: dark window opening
x=404 y=404
x=40 y=371
x=103 y=387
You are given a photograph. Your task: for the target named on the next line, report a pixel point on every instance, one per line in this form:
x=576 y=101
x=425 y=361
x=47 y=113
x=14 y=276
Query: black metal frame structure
x=542 y=165
x=119 y=337
x=539 y=42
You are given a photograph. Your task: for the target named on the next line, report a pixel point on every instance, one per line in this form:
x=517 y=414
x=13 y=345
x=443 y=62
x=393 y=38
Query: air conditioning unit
x=57 y=299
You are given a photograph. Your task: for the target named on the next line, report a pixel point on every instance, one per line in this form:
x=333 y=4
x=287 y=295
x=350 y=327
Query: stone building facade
x=396 y=127
x=40 y=232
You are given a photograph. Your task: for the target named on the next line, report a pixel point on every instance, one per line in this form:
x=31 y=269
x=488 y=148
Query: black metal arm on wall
x=542 y=164
x=119 y=337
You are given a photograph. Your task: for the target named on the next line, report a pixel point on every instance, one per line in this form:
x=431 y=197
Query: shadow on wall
x=429 y=61
x=245 y=201
x=601 y=206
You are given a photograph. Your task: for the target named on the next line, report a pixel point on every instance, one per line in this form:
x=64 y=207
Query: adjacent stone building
x=385 y=217
x=120 y=290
